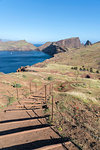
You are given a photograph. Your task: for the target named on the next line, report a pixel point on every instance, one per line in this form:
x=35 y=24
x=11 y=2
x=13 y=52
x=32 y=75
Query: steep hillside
x=16 y=45
x=73 y=109
x=88 y=56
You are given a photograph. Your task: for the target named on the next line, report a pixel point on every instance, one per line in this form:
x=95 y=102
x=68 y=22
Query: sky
x=39 y=21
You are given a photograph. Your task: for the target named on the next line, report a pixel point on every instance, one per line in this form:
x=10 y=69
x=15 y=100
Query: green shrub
x=84 y=69
x=50 y=78
x=75 y=68
x=80 y=69
x=24 y=76
x=10 y=100
x=91 y=69
x=60 y=129
x=16 y=85
x=97 y=71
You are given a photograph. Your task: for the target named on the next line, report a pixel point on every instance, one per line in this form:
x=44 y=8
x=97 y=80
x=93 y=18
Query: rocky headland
x=21 y=45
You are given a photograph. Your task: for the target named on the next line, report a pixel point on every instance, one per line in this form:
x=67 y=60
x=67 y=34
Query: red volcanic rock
x=22 y=69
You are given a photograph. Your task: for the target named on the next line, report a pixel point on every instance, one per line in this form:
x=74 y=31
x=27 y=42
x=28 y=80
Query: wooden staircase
x=23 y=126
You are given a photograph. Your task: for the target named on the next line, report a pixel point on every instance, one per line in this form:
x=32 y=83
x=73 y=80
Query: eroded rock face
x=54 y=49
x=70 y=43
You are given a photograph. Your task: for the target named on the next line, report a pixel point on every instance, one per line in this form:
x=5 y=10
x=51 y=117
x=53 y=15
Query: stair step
x=61 y=146
x=25 y=137
x=18 y=114
x=28 y=105
x=30 y=102
x=23 y=128
x=24 y=123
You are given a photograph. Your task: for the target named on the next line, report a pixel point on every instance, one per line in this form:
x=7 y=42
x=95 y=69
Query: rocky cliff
x=70 y=43
x=53 y=48
x=21 y=45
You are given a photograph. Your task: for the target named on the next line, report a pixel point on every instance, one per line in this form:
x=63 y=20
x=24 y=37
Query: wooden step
x=18 y=114
x=28 y=105
x=25 y=137
x=61 y=146
x=24 y=123
x=31 y=102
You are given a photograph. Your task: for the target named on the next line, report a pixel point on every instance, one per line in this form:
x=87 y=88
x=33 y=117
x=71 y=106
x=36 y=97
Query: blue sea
x=10 y=61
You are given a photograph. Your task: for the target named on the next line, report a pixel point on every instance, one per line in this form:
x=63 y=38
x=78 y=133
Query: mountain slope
x=88 y=56
x=16 y=45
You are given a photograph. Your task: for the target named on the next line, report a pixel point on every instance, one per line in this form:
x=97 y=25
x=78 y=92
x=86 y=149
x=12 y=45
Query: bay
x=10 y=61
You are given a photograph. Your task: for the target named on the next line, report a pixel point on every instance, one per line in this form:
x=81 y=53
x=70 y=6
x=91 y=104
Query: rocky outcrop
x=44 y=45
x=87 y=43
x=53 y=48
x=70 y=43
x=22 y=69
x=21 y=45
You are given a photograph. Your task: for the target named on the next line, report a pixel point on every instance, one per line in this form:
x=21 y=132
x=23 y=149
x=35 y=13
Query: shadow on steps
x=23 y=129
x=38 y=144
x=23 y=119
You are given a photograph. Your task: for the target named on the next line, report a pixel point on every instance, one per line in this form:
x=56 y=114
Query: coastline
x=11 y=61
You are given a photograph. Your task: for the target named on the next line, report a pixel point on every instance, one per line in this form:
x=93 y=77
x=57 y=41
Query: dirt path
x=23 y=126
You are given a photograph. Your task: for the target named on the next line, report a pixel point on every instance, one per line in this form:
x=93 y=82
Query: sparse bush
x=84 y=69
x=50 y=78
x=91 y=69
x=24 y=76
x=16 y=85
x=87 y=69
x=75 y=68
x=80 y=69
x=97 y=71
x=72 y=68
x=60 y=129
x=10 y=100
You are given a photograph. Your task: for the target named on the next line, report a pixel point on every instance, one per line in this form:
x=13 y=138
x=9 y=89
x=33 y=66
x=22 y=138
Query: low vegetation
x=76 y=92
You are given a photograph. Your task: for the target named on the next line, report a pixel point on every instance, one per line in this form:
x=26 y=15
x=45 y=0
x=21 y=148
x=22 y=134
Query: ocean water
x=10 y=61
x=37 y=45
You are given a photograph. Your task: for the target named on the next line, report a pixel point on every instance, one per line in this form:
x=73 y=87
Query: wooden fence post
x=50 y=88
x=17 y=93
x=35 y=88
x=45 y=93
x=52 y=107
x=30 y=87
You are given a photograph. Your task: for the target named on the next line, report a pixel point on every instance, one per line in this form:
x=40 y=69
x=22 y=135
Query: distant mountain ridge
x=21 y=45
x=50 y=48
